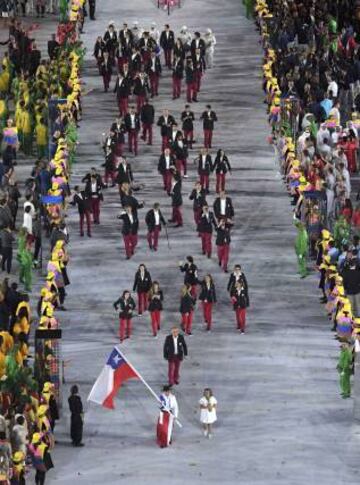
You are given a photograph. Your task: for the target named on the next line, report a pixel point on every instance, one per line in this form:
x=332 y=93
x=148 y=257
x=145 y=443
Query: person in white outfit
x=154 y=33
x=208 y=404
x=169 y=411
x=185 y=37
x=210 y=43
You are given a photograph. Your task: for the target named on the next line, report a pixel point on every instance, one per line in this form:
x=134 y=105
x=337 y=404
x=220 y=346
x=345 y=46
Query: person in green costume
x=301 y=248
x=25 y=259
x=341 y=232
x=249 y=6
x=344 y=368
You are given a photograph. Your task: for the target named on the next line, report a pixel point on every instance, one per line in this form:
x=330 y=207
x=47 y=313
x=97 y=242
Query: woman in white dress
x=208 y=404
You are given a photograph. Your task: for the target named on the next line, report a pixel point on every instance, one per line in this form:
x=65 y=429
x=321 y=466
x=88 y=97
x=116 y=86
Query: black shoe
x=171 y=220
x=178 y=225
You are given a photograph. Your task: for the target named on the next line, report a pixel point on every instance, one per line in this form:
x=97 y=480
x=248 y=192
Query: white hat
x=208 y=31
x=136 y=22
x=184 y=27
x=153 y=24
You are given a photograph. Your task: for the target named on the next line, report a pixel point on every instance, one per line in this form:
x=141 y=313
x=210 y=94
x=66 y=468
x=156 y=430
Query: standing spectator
x=41 y=458
x=351 y=279
x=175 y=350
x=7 y=241
x=77 y=416
x=208 y=405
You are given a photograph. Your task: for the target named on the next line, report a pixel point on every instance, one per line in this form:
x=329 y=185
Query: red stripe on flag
x=122 y=374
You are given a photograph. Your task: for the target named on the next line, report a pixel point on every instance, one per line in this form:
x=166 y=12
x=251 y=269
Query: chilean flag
x=116 y=371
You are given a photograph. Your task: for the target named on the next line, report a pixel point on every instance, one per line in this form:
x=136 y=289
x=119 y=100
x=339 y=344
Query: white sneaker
x=186 y=176
x=205 y=433
x=209 y=436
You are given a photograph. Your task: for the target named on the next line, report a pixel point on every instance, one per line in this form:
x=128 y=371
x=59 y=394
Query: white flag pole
x=147 y=385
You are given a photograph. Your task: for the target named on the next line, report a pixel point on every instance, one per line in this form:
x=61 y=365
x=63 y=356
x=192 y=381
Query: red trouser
x=180 y=165
x=187 y=319
x=240 y=318
x=133 y=141
x=140 y=100
x=204 y=180
x=95 y=207
x=193 y=291
x=198 y=76
x=220 y=182
x=130 y=241
x=207 y=138
x=142 y=302
x=85 y=215
x=123 y=105
x=155 y=321
x=125 y=323
x=106 y=80
x=176 y=83
x=167 y=54
x=197 y=215
x=154 y=84
x=177 y=215
x=147 y=131
x=207 y=311
x=164 y=142
x=190 y=92
x=223 y=255
x=206 y=243
x=167 y=180
x=189 y=136
x=174 y=370
x=119 y=149
x=111 y=174
x=153 y=237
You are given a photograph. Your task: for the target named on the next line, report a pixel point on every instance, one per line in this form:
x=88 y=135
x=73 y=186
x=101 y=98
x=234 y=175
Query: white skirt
x=207 y=417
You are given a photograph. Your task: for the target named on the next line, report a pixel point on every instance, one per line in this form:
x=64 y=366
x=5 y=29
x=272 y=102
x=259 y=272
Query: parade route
x=280 y=417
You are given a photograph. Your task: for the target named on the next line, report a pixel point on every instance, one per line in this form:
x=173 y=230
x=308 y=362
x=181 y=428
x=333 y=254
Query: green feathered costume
x=341 y=232
x=301 y=248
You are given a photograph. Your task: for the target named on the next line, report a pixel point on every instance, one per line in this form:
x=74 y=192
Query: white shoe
x=186 y=176
x=205 y=433
x=209 y=436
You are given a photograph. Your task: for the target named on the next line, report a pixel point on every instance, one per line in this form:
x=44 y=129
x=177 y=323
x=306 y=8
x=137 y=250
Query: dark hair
x=20 y=420
x=190 y=259
x=74 y=389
